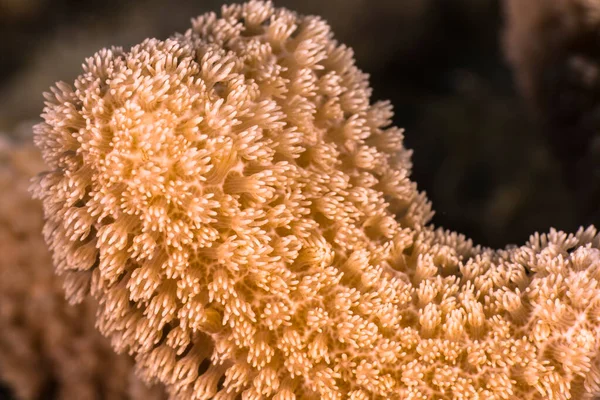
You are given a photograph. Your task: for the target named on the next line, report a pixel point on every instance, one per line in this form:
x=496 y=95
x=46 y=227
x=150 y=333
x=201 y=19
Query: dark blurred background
x=483 y=160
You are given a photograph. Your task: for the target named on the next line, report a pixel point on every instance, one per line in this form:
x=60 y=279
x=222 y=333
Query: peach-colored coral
x=47 y=348
x=244 y=215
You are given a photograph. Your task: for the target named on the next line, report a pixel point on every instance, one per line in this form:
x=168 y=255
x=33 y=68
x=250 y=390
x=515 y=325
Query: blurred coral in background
x=48 y=349
x=554 y=48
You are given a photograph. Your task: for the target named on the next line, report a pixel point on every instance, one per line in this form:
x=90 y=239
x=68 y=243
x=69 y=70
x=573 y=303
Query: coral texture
x=244 y=216
x=47 y=347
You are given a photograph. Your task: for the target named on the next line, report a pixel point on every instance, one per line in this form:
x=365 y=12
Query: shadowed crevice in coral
x=6 y=393
x=554 y=50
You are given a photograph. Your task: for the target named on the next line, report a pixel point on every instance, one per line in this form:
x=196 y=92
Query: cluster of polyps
x=245 y=218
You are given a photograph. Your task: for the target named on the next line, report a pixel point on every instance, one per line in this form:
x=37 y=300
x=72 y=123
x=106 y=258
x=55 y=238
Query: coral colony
x=243 y=215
